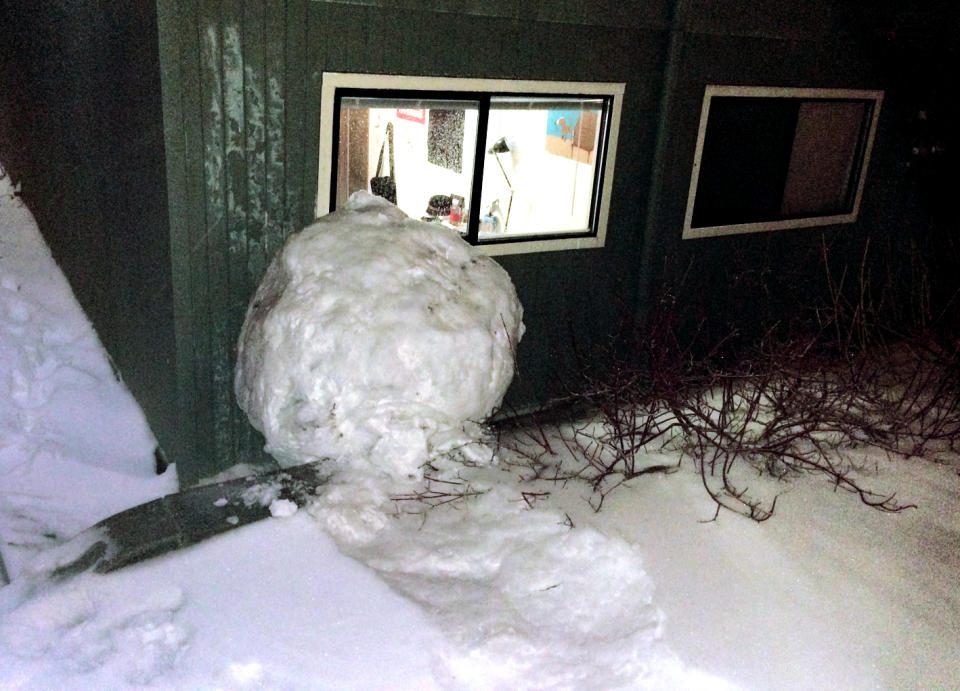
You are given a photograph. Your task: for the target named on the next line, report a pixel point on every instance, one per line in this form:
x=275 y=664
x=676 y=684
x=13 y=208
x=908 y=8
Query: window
x=775 y=158
x=514 y=166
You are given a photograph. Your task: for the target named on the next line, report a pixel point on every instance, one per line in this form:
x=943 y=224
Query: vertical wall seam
x=655 y=189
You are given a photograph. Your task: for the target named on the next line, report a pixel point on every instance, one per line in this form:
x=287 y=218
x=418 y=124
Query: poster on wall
x=572 y=133
x=445 y=139
x=418 y=115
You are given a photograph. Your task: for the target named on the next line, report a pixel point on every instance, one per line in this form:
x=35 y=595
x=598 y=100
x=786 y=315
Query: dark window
x=779 y=160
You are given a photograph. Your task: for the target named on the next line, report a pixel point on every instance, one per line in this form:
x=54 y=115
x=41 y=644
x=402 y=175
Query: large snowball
x=373 y=336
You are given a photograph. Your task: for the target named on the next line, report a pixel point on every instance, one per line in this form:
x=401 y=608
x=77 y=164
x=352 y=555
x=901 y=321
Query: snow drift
x=521 y=585
x=74 y=445
x=374 y=335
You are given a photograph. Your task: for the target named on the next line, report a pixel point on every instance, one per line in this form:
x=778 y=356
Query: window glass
x=540 y=171
x=823 y=170
x=513 y=165
x=771 y=158
x=433 y=142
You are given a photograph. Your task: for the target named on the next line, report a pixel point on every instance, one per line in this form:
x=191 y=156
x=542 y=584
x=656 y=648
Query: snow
x=525 y=600
x=504 y=584
x=373 y=335
x=63 y=415
x=271 y=606
x=283 y=508
x=826 y=594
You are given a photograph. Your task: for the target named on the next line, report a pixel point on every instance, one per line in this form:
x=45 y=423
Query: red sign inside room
x=412 y=114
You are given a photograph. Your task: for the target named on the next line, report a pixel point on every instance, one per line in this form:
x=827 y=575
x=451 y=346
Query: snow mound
x=526 y=600
x=75 y=446
x=374 y=335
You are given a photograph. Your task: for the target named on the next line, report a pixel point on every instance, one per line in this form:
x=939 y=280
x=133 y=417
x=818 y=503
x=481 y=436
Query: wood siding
x=234 y=93
x=241 y=103
x=241 y=107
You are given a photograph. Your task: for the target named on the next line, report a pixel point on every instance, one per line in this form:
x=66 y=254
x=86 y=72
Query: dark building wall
x=81 y=131
x=165 y=266
x=242 y=107
x=727 y=284
x=241 y=102
x=749 y=283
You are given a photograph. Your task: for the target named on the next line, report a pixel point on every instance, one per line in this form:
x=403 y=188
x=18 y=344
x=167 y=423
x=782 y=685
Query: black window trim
x=483 y=100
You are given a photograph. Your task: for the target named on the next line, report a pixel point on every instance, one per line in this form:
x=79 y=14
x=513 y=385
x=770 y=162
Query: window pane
x=434 y=145
x=822 y=173
x=767 y=159
x=744 y=163
x=540 y=171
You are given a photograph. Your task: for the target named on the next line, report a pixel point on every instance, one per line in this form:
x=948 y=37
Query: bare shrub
x=435 y=491
x=793 y=404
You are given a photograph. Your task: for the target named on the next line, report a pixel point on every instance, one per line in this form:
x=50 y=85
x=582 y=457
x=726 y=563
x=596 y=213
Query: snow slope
x=272 y=606
x=74 y=445
x=519 y=585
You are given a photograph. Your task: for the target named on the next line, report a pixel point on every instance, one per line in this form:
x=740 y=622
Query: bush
x=795 y=402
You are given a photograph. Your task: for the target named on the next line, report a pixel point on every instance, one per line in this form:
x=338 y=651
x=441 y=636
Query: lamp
x=501 y=147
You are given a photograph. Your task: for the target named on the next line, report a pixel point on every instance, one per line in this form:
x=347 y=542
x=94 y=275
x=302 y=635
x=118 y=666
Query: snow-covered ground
x=521 y=586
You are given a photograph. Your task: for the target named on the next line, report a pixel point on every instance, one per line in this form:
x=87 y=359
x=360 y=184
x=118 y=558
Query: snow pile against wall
x=74 y=445
x=381 y=342
x=375 y=335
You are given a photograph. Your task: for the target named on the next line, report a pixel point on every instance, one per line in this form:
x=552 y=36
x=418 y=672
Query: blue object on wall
x=560 y=123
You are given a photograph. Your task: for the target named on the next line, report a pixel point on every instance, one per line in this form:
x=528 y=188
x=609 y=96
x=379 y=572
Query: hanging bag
x=385 y=185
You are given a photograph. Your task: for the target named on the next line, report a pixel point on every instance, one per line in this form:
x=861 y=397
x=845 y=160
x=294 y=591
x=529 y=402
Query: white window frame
x=336 y=80
x=715 y=90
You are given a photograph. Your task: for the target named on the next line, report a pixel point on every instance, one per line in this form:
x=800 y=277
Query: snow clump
x=376 y=336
